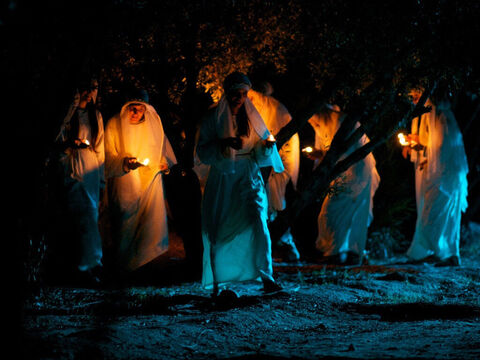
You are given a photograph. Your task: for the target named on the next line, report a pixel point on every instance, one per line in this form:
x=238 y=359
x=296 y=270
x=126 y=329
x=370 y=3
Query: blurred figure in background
x=276 y=116
x=347 y=212
x=81 y=138
x=441 y=168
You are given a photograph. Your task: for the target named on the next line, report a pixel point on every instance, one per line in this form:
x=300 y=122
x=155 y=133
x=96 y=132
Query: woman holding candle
x=137 y=152
x=82 y=140
x=346 y=214
x=234 y=141
x=441 y=168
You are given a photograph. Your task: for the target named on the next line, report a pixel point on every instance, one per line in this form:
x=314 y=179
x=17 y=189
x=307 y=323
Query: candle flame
x=308 y=149
x=86 y=142
x=403 y=141
x=146 y=161
x=271 y=138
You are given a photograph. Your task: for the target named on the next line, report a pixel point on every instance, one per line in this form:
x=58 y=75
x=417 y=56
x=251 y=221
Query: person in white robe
x=441 y=186
x=276 y=116
x=136 y=153
x=233 y=142
x=347 y=212
x=82 y=138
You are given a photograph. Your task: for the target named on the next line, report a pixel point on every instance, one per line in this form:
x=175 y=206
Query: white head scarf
x=225 y=128
x=146 y=139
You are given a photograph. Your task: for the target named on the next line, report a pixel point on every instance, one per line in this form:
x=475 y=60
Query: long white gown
x=345 y=216
x=84 y=179
x=234 y=207
x=136 y=197
x=441 y=186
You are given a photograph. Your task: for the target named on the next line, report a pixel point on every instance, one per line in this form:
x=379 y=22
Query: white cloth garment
x=276 y=116
x=234 y=208
x=136 y=197
x=441 y=186
x=84 y=177
x=345 y=216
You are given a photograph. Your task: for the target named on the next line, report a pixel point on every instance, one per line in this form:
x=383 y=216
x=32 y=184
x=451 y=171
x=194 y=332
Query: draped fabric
x=345 y=215
x=441 y=184
x=276 y=116
x=136 y=197
x=84 y=177
x=234 y=208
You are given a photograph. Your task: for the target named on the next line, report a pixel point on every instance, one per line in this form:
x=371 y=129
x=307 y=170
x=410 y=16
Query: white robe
x=84 y=179
x=441 y=187
x=345 y=216
x=234 y=207
x=276 y=116
x=136 y=197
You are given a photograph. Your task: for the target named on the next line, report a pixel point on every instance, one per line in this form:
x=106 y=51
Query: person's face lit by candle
x=236 y=98
x=87 y=96
x=136 y=113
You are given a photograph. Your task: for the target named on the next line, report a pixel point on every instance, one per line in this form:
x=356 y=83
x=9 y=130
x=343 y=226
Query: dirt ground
x=385 y=310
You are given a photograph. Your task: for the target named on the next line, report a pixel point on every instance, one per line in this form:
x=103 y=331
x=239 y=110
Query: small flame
x=146 y=161
x=271 y=138
x=86 y=142
x=403 y=141
x=308 y=149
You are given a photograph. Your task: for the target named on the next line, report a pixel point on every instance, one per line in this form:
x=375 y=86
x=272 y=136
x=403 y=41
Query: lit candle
x=403 y=141
x=271 y=138
x=145 y=162
x=308 y=149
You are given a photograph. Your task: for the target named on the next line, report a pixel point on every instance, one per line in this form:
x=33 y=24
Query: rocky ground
x=387 y=309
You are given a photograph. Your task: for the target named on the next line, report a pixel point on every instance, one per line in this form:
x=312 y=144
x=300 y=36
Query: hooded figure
x=441 y=170
x=233 y=141
x=82 y=139
x=346 y=215
x=137 y=151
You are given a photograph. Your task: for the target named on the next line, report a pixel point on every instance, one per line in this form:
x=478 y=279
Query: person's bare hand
x=414 y=142
x=412 y=138
x=80 y=144
x=163 y=167
x=315 y=154
x=131 y=163
x=269 y=143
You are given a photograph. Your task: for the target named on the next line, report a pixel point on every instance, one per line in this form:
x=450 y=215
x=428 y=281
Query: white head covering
x=136 y=143
x=225 y=128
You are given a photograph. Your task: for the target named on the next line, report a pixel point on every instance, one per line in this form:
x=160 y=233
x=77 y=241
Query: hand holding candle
x=270 y=141
x=410 y=140
x=81 y=143
x=312 y=153
x=131 y=163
